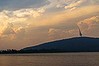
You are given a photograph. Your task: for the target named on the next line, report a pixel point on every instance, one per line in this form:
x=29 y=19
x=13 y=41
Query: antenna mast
x=80 y=33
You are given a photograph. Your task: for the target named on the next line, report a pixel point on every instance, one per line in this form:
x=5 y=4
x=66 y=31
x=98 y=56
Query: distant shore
x=27 y=52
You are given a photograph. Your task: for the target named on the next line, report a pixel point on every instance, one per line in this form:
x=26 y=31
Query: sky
x=26 y=23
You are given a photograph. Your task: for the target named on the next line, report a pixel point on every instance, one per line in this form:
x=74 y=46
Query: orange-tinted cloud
x=26 y=27
x=90 y=26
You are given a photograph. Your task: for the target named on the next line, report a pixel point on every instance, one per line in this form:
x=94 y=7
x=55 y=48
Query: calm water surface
x=54 y=59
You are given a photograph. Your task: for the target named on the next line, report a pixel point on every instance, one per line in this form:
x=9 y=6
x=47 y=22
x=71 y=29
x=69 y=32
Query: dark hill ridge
x=78 y=44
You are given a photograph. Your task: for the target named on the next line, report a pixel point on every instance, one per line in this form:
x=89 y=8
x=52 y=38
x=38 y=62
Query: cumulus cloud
x=27 y=26
x=60 y=17
x=75 y=4
x=58 y=33
x=90 y=26
x=18 y=17
x=69 y=4
x=50 y=27
x=9 y=30
x=57 y=3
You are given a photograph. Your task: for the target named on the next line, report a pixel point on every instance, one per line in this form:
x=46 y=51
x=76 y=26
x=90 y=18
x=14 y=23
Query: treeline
x=9 y=51
x=13 y=51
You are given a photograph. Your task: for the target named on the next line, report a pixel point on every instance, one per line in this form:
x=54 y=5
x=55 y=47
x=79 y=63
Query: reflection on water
x=60 y=59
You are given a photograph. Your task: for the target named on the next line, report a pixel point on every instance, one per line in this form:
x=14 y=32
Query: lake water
x=50 y=59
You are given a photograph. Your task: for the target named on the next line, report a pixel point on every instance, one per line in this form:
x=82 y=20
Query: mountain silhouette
x=77 y=44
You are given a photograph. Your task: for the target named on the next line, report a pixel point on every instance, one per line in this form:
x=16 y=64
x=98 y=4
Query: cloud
x=17 y=18
x=55 y=33
x=20 y=15
x=66 y=4
x=9 y=30
x=64 y=16
x=57 y=3
x=94 y=1
x=90 y=26
x=58 y=33
x=75 y=4
x=29 y=25
x=90 y=22
x=70 y=4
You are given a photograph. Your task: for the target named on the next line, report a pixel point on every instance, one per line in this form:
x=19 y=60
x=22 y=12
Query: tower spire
x=80 y=33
